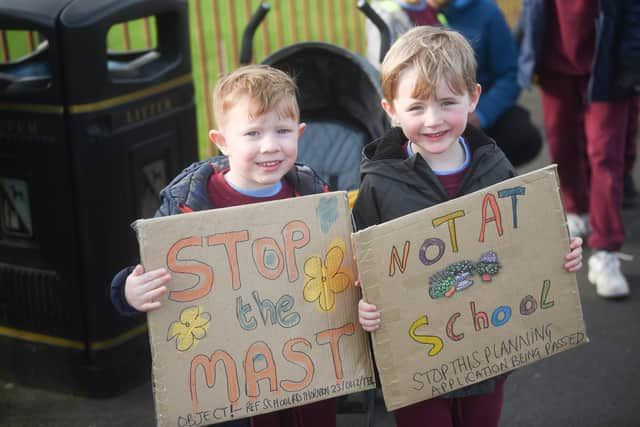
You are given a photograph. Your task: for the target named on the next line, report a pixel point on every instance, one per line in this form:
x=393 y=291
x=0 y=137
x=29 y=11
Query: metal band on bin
x=112 y=102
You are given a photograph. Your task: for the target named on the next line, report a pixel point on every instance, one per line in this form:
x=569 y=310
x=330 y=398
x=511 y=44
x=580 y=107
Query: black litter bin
x=87 y=139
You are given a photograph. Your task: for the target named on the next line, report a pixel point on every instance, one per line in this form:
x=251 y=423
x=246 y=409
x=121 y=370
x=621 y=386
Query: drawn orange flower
x=191 y=328
x=324 y=280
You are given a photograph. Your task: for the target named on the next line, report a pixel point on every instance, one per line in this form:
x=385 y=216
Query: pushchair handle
x=247 y=36
x=385 y=33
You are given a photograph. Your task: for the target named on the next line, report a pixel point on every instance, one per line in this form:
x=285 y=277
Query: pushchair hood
x=334 y=83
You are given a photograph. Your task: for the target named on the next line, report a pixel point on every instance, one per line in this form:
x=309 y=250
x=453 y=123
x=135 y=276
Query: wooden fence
x=216 y=33
x=218 y=25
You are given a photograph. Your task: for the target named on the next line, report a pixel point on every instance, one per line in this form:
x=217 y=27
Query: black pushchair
x=339 y=98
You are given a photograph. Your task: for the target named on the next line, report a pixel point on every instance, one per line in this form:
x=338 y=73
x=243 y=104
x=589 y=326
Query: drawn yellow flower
x=324 y=280
x=191 y=327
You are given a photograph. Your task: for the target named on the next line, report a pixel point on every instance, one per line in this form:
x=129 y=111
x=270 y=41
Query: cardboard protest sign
x=261 y=313
x=471 y=288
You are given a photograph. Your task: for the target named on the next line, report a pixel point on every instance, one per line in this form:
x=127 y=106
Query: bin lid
x=41 y=12
x=82 y=14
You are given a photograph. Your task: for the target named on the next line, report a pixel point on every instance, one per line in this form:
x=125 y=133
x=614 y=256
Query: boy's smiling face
x=432 y=125
x=261 y=149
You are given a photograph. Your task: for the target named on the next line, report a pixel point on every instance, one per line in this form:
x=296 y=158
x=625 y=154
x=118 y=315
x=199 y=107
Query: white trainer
x=578 y=224
x=604 y=272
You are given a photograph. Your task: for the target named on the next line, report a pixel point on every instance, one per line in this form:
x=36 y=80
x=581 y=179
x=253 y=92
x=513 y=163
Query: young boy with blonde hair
x=431 y=156
x=258 y=129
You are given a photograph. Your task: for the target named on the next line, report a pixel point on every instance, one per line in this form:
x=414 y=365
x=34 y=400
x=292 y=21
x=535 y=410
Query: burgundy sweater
x=570 y=39
x=222 y=195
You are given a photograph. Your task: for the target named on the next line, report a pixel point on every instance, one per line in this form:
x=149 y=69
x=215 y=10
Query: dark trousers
x=516 y=135
x=316 y=414
x=588 y=142
x=474 y=411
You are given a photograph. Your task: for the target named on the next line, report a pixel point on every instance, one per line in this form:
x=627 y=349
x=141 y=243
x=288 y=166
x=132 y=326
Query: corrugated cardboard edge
x=370 y=292
x=576 y=289
x=364 y=347
x=157 y=380
x=553 y=169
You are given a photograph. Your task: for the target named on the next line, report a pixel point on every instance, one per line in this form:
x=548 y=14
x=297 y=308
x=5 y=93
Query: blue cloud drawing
x=327 y=212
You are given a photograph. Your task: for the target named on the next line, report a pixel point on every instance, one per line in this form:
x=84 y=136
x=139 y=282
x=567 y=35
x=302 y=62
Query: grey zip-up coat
x=393 y=186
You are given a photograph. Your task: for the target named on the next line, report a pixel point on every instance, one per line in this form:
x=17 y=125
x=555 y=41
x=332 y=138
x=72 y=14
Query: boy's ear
x=388 y=108
x=301 y=128
x=217 y=138
x=475 y=97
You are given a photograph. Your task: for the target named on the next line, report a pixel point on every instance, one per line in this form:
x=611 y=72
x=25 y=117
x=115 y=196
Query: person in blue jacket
x=482 y=23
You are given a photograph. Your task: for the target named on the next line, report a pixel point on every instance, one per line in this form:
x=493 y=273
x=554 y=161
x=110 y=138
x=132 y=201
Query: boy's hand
x=368 y=316
x=142 y=290
x=573 y=260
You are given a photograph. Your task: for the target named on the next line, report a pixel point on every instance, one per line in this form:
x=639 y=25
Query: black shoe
x=630 y=193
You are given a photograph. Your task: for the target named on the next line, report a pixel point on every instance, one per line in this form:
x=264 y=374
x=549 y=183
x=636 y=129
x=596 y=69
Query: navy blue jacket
x=615 y=73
